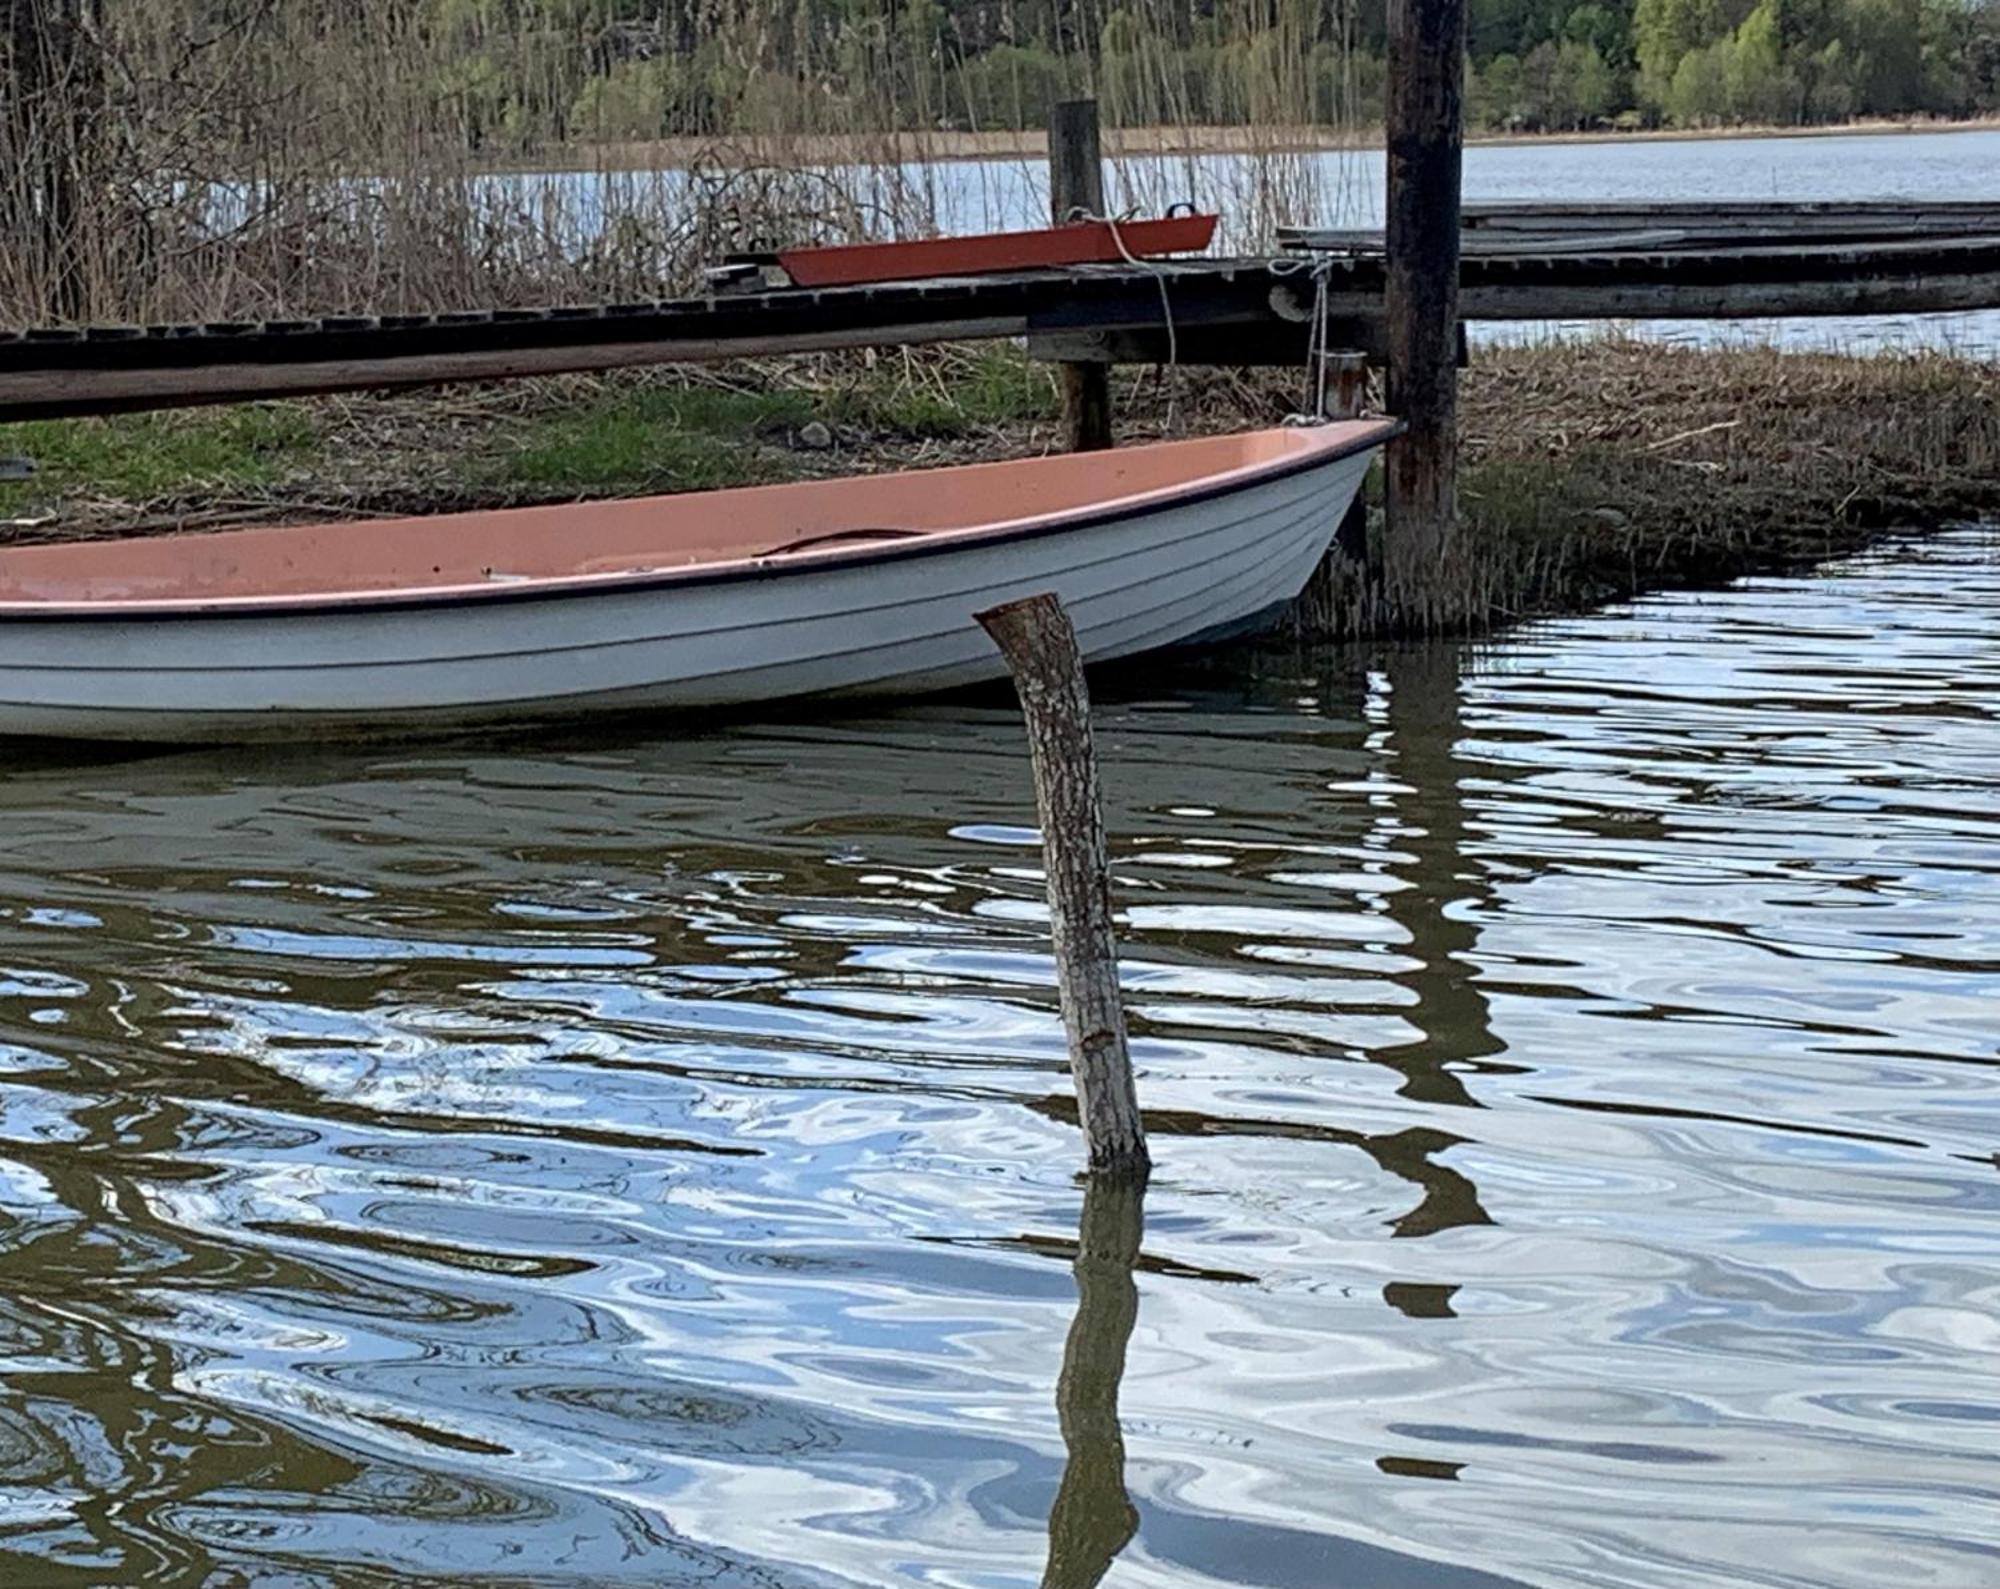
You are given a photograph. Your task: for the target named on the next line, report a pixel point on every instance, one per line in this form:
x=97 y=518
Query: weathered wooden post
x=1036 y=638
x=1425 y=123
x=1076 y=183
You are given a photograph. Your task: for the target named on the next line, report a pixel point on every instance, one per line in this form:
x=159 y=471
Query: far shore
x=1031 y=144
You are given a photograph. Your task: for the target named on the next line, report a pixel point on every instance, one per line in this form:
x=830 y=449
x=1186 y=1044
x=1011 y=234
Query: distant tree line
x=501 y=75
x=1554 y=64
x=1533 y=65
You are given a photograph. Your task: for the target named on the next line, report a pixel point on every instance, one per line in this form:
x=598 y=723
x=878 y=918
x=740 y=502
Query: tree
x=1887 y=38
x=1590 y=83
x=1607 y=29
x=56 y=199
x=1758 y=86
x=1496 y=92
x=1664 y=31
x=1698 y=96
x=1544 y=96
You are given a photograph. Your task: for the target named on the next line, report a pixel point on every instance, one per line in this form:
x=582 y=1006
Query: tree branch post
x=1326 y=608
x=1039 y=643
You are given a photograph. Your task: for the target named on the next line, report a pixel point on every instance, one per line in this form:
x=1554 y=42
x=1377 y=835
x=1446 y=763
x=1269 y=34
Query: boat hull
x=1078 y=243
x=896 y=625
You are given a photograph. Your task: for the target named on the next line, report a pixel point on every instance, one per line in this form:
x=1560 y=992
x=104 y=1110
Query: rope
x=1318 y=339
x=1160 y=272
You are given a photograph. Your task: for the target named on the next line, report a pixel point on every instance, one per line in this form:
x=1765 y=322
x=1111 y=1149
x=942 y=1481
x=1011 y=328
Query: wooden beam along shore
x=1225 y=312
x=52 y=373
x=1681 y=225
x=1901 y=218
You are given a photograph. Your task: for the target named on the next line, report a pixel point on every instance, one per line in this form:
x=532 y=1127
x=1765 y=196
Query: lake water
x=1346 y=189
x=1573 y=1069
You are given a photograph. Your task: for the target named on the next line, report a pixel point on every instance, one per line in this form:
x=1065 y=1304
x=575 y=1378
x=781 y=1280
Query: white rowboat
x=865 y=585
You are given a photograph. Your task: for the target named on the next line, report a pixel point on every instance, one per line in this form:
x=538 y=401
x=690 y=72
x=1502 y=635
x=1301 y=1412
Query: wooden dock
x=1520 y=263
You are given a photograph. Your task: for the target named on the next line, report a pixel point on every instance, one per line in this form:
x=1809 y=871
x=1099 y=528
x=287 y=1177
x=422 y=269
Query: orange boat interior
x=496 y=549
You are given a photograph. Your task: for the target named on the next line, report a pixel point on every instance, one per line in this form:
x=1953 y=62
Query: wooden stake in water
x=1039 y=644
x=1346 y=397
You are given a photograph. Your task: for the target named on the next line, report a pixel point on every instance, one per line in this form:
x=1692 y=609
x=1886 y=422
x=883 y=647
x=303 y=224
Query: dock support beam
x=1076 y=183
x=1426 y=134
x=1039 y=643
x=1346 y=383
x=1325 y=609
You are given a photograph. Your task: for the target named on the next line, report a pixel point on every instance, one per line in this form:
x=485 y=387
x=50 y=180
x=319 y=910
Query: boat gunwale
x=768 y=565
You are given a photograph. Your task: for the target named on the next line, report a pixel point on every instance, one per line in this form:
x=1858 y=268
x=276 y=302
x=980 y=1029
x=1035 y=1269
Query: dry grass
x=240 y=159
x=1594 y=471
x=1598 y=470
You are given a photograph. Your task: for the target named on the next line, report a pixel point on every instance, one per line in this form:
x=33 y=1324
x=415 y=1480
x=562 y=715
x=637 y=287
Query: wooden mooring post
x=1039 y=643
x=1425 y=125
x=1076 y=184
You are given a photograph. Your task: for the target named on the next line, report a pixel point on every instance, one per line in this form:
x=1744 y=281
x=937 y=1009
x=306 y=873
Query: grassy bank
x=1594 y=470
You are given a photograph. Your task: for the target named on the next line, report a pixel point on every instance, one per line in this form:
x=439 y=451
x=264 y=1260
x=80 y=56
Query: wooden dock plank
x=46 y=373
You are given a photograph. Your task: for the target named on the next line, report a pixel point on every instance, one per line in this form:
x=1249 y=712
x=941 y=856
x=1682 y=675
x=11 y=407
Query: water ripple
x=646 y=1160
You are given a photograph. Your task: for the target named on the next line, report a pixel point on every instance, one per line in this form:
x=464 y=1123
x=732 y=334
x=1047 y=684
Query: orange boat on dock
x=1087 y=242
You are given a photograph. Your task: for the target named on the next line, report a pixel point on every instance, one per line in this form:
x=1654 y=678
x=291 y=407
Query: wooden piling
x=1076 y=183
x=1425 y=126
x=1036 y=638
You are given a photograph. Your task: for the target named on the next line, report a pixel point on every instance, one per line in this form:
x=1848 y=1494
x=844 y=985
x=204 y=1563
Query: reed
x=1599 y=469
x=237 y=159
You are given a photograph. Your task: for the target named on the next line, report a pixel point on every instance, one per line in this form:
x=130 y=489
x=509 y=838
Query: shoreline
x=957 y=147
x=1593 y=471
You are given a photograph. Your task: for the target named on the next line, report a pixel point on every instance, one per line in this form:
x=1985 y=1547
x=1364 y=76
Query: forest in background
x=235 y=158
x=686 y=66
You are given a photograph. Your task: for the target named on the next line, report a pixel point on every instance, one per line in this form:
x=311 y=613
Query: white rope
x=1318 y=339
x=1322 y=353
x=1160 y=273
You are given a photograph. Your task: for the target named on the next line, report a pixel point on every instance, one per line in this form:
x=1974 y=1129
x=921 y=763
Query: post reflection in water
x=1422 y=710
x=1093 y=1518
x=1426 y=825
x=649 y=1159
